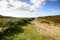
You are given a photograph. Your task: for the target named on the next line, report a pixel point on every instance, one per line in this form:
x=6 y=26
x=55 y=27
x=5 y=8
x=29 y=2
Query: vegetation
x=55 y=20
x=19 y=29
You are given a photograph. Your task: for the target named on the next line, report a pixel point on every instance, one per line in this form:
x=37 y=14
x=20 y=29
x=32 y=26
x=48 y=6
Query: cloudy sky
x=29 y=8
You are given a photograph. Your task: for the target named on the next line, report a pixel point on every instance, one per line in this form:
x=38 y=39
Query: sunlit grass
x=28 y=34
x=21 y=32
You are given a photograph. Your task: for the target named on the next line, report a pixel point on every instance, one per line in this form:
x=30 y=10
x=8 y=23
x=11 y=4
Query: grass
x=28 y=33
x=54 y=20
x=22 y=31
x=51 y=18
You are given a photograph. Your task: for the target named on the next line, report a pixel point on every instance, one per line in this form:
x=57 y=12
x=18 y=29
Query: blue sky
x=47 y=9
x=50 y=8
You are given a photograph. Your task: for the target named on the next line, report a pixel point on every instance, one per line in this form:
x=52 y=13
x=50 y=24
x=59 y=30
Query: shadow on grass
x=11 y=32
x=13 y=28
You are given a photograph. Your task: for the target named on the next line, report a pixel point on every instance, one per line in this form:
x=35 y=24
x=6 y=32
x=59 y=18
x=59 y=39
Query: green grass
x=29 y=33
x=25 y=31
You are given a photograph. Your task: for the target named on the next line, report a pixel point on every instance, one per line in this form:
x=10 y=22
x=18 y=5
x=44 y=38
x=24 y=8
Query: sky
x=29 y=8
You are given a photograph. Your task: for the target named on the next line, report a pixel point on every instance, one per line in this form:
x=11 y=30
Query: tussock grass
x=22 y=30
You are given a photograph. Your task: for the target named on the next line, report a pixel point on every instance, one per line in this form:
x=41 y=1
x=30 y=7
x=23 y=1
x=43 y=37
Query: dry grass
x=48 y=26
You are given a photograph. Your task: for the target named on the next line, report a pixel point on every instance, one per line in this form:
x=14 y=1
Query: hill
x=41 y=28
x=51 y=18
x=49 y=25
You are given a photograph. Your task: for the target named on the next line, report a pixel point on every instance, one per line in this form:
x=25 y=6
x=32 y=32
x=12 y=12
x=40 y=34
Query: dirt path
x=46 y=29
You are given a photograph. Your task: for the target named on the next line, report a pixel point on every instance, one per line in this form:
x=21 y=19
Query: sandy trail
x=46 y=29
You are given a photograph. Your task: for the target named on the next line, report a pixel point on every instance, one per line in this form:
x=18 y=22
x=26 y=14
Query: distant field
x=55 y=20
x=50 y=18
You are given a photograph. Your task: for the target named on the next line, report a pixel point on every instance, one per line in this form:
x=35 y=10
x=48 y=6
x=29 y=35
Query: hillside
x=49 y=25
x=41 y=28
x=50 y=18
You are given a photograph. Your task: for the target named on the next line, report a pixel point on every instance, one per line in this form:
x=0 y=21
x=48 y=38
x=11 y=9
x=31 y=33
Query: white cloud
x=18 y=5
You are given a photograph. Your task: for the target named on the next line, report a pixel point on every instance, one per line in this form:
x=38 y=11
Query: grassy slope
x=55 y=20
x=50 y=18
x=26 y=32
x=49 y=25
